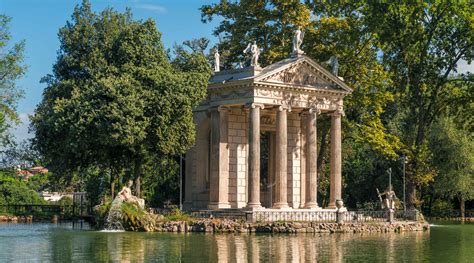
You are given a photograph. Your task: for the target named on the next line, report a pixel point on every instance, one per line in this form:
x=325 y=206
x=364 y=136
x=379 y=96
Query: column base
x=253 y=207
x=311 y=205
x=188 y=205
x=218 y=205
x=332 y=206
x=280 y=205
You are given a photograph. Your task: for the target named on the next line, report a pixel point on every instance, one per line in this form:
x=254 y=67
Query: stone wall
x=294 y=162
x=236 y=226
x=238 y=145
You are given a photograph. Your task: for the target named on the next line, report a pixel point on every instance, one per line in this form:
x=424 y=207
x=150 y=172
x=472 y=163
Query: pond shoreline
x=216 y=225
x=235 y=226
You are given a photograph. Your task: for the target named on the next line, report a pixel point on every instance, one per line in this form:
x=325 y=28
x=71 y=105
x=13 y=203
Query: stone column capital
x=255 y=105
x=284 y=108
x=338 y=112
x=314 y=111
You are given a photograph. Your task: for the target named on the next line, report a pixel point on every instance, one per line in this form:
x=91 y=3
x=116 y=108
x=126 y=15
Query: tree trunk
x=462 y=206
x=411 y=195
x=113 y=178
x=138 y=173
x=322 y=150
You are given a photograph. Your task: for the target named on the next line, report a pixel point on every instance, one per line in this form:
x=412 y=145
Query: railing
x=31 y=209
x=321 y=216
x=66 y=211
x=360 y=216
x=294 y=216
x=366 y=216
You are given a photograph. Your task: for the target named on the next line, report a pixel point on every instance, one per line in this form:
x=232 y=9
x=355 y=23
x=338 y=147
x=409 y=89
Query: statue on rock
x=297 y=41
x=255 y=52
x=126 y=195
x=217 y=61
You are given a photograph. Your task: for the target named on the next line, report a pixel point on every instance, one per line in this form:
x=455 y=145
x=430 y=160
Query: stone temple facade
x=256 y=139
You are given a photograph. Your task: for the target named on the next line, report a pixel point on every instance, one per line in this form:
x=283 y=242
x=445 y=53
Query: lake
x=445 y=242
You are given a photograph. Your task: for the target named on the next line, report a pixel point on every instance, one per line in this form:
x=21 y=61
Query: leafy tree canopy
x=115 y=98
x=11 y=69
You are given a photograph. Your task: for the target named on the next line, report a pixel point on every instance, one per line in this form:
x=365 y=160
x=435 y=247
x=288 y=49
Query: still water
x=446 y=242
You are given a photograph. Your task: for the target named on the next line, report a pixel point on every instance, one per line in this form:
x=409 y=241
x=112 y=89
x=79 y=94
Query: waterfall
x=114 y=218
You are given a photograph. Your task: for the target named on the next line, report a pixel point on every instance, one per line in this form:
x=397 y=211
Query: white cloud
x=463 y=67
x=153 y=8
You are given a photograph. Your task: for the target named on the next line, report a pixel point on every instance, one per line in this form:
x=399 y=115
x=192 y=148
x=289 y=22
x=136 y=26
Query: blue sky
x=38 y=21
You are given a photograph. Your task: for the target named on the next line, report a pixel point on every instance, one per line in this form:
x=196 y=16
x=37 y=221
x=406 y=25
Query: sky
x=38 y=21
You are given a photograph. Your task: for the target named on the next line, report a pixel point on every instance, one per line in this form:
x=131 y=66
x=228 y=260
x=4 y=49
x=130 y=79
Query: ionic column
x=254 y=157
x=219 y=179
x=311 y=160
x=281 y=158
x=336 y=159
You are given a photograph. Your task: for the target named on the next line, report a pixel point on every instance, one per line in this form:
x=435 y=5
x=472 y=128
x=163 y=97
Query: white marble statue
x=297 y=41
x=254 y=51
x=334 y=64
x=217 y=61
x=387 y=199
x=126 y=195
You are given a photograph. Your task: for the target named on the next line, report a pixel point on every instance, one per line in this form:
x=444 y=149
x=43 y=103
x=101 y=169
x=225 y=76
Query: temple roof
x=299 y=71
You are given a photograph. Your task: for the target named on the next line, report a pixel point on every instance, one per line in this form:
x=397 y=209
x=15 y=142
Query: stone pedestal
x=281 y=159
x=391 y=216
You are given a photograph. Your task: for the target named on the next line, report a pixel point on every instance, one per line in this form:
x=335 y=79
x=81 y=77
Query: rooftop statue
x=334 y=65
x=297 y=41
x=254 y=51
x=217 y=61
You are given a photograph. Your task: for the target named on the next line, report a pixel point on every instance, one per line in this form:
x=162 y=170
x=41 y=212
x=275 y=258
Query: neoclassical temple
x=256 y=139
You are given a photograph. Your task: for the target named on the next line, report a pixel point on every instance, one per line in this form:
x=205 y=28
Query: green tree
x=115 y=100
x=453 y=150
x=16 y=191
x=11 y=69
x=422 y=44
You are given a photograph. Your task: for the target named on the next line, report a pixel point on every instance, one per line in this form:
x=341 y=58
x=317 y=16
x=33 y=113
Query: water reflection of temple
x=318 y=247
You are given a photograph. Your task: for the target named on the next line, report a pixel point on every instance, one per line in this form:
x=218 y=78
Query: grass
x=177 y=215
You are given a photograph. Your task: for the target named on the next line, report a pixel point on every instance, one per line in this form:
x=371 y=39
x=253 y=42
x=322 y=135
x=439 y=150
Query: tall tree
x=115 y=100
x=422 y=45
x=11 y=69
x=453 y=150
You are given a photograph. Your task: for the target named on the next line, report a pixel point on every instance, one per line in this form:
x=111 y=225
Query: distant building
x=39 y=169
x=28 y=173
x=55 y=196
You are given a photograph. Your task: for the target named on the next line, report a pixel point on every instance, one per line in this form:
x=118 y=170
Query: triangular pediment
x=303 y=72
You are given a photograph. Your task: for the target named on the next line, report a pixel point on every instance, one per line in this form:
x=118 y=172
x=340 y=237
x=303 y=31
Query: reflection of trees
x=66 y=245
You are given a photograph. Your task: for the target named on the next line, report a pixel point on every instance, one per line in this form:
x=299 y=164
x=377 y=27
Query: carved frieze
x=300 y=100
x=302 y=74
x=267 y=120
